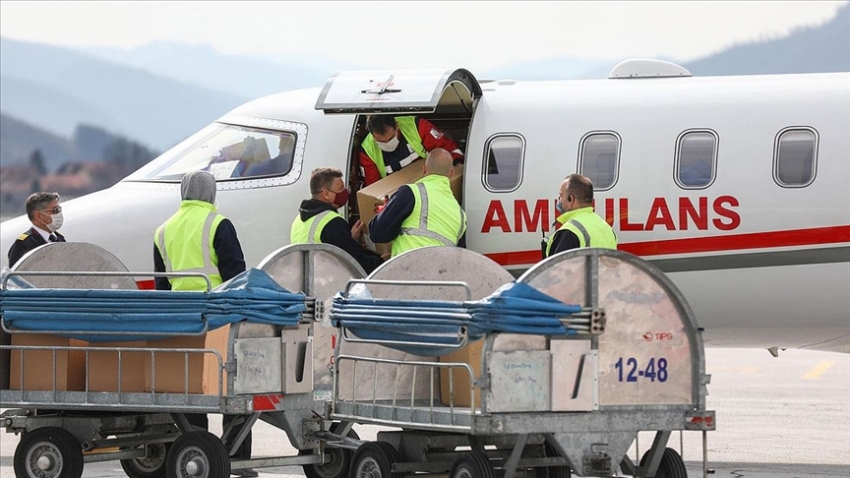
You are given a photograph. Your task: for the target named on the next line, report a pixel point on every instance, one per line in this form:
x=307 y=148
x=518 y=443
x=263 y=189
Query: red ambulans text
x=674 y=214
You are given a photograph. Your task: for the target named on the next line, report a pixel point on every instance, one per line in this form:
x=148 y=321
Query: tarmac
x=785 y=417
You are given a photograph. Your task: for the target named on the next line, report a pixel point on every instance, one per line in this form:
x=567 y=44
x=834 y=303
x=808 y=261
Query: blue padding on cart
x=514 y=308
x=519 y=308
x=148 y=314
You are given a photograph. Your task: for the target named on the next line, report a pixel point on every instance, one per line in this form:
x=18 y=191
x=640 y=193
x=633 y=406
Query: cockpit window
x=228 y=152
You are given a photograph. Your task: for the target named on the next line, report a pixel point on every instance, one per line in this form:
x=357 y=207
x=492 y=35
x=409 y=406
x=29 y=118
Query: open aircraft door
x=408 y=91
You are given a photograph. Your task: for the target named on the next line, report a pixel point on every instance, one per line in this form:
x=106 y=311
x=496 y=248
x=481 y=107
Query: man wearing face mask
x=580 y=226
x=45 y=214
x=318 y=222
x=395 y=142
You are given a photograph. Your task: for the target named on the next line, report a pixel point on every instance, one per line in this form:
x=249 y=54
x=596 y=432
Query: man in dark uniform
x=45 y=214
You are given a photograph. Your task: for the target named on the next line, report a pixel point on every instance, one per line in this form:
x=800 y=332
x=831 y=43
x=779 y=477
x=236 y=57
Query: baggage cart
x=550 y=405
x=271 y=373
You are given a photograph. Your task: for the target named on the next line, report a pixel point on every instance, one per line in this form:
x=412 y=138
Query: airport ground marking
x=818 y=370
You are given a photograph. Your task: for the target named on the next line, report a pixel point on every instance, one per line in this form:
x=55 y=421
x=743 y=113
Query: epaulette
x=24 y=236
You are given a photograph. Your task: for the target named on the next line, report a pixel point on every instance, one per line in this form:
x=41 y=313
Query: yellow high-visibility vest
x=407 y=126
x=437 y=218
x=589 y=227
x=310 y=231
x=185 y=242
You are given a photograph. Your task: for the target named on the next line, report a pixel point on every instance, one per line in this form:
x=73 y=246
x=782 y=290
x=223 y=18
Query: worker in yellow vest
x=424 y=213
x=580 y=226
x=318 y=222
x=395 y=142
x=199 y=239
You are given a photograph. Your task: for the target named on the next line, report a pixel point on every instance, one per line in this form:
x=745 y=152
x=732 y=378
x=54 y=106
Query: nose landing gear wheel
x=472 y=465
x=48 y=452
x=152 y=465
x=197 y=455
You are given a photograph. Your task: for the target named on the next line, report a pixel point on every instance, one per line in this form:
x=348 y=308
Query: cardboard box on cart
x=461 y=386
x=203 y=371
x=103 y=367
x=38 y=372
x=371 y=195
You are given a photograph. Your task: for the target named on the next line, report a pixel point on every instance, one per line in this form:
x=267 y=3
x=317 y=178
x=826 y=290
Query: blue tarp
x=513 y=308
x=251 y=296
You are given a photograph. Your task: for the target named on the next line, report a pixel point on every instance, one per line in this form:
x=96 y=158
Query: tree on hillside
x=90 y=141
x=36 y=160
x=127 y=154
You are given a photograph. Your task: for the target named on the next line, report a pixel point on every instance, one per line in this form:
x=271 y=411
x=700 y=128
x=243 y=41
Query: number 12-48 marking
x=653 y=370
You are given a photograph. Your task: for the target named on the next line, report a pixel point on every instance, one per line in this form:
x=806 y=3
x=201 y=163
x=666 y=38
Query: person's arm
x=564 y=240
x=160 y=283
x=387 y=224
x=371 y=174
x=433 y=138
x=337 y=233
x=17 y=250
x=231 y=261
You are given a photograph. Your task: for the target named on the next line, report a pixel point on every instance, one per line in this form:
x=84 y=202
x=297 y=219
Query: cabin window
x=599 y=159
x=504 y=155
x=795 y=157
x=228 y=152
x=696 y=159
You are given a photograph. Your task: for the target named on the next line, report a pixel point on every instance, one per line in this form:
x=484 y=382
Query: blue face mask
x=558 y=208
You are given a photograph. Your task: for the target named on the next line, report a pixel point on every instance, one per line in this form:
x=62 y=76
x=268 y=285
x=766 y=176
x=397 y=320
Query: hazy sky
x=474 y=35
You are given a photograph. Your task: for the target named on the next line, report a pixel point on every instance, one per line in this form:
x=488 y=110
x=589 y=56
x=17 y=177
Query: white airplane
x=737 y=186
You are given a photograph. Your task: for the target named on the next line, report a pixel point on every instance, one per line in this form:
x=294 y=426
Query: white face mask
x=389 y=146
x=58 y=219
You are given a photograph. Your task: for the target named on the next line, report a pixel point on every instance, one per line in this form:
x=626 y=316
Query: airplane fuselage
x=761 y=250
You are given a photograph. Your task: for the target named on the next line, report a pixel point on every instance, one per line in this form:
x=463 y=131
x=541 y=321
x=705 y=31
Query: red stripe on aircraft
x=146 y=284
x=725 y=243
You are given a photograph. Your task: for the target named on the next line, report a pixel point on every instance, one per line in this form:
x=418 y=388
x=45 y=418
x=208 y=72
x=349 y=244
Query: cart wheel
x=48 y=452
x=150 y=466
x=472 y=465
x=374 y=460
x=197 y=454
x=340 y=463
x=671 y=465
x=552 y=471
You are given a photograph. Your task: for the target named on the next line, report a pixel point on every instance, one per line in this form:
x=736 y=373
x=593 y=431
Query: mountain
x=820 y=49
x=47 y=107
x=201 y=64
x=19 y=139
x=59 y=88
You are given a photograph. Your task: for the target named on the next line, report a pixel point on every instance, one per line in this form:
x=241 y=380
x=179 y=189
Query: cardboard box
x=203 y=367
x=370 y=196
x=471 y=354
x=38 y=374
x=103 y=368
